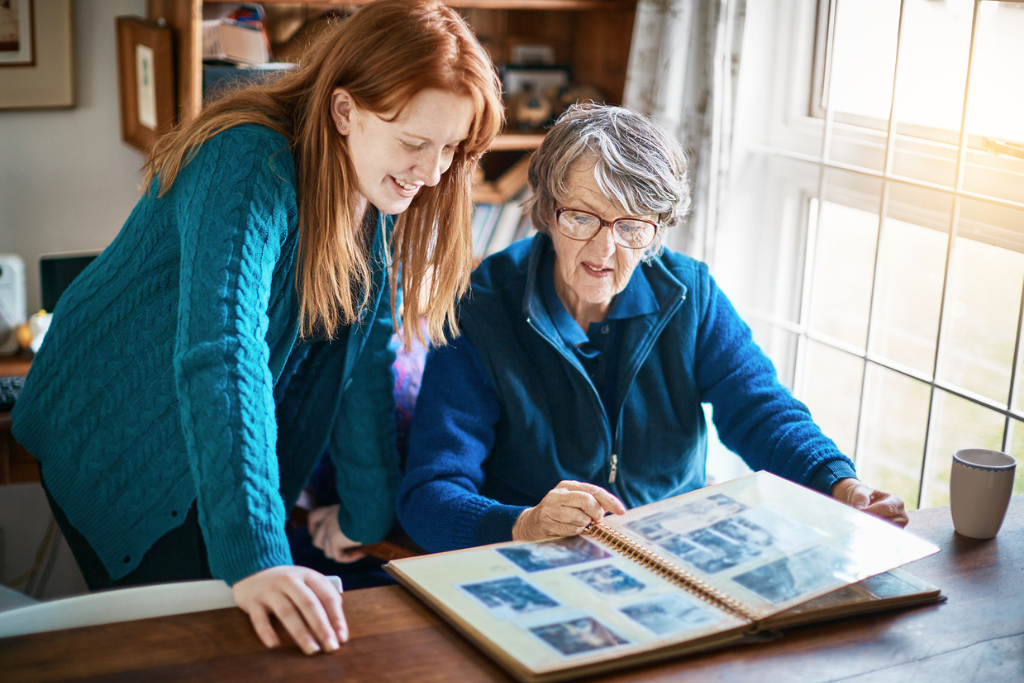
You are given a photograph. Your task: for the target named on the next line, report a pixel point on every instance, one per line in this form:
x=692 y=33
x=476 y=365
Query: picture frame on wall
x=145 y=66
x=36 y=54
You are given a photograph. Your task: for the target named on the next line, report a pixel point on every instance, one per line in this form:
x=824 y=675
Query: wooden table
x=977 y=635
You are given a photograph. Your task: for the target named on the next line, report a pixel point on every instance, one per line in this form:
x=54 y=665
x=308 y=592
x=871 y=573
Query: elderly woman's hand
x=860 y=496
x=566 y=510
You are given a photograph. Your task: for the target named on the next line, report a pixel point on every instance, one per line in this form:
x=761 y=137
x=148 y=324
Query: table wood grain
x=977 y=634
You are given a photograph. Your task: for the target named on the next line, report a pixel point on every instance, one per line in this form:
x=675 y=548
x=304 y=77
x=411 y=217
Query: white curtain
x=683 y=67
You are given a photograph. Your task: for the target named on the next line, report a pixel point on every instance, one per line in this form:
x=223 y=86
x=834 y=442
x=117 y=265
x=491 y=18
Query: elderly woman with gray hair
x=587 y=351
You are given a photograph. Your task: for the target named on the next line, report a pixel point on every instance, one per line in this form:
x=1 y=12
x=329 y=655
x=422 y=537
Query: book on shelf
x=706 y=569
x=507 y=223
x=484 y=215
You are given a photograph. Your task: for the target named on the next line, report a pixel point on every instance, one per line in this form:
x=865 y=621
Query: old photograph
x=685 y=518
x=667 y=614
x=798 y=575
x=609 y=580
x=560 y=552
x=510 y=597
x=578 y=636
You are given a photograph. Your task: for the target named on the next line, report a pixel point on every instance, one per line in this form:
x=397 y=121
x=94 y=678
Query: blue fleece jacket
x=507 y=411
x=171 y=373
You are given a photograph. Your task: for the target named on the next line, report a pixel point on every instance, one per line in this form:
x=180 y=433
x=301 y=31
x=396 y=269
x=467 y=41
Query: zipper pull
x=615 y=469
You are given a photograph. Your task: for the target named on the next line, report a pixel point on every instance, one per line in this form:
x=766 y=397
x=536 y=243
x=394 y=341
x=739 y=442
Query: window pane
x=895 y=420
x=845 y=255
x=997 y=72
x=863 y=57
x=908 y=289
x=956 y=423
x=934 y=48
x=980 y=323
x=780 y=347
x=832 y=381
x=1017 y=451
x=763 y=238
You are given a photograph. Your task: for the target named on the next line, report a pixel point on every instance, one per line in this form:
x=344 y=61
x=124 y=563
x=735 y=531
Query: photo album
x=705 y=569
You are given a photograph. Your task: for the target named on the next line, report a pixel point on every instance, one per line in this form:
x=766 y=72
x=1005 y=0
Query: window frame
x=800 y=126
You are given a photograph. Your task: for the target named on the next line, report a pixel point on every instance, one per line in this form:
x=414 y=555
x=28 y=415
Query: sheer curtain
x=682 y=70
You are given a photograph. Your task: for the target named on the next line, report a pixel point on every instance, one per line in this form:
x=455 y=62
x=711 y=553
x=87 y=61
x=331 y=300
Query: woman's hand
x=304 y=601
x=566 y=510
x=327 y=535
x=860 y=496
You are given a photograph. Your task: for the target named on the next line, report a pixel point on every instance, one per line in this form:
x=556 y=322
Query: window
x=876 y=241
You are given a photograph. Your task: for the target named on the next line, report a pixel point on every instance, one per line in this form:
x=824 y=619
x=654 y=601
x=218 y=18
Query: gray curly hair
x=637 y=164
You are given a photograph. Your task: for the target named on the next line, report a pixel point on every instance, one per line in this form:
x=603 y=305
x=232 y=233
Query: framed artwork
x=36 y=54
x=145 y=66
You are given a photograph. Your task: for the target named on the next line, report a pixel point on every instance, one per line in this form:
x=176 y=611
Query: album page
x=769 y=543
x=566 y=603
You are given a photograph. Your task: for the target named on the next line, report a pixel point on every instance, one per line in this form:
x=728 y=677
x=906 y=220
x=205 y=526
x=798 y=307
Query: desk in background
x=16 y=464
x=976 y=635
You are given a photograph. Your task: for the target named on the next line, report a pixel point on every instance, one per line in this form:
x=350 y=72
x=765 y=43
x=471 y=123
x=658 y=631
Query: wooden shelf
x=571 y=5
x=592 y=36
x=511 y=142
x=504 y=188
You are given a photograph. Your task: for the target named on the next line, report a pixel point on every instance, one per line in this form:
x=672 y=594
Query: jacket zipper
x=615 y=469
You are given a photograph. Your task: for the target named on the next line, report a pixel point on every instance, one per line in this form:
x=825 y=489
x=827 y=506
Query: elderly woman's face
x=588 y=274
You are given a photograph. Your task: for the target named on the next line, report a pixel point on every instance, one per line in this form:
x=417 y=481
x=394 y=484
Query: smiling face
x=395 y=157
x=589 y=274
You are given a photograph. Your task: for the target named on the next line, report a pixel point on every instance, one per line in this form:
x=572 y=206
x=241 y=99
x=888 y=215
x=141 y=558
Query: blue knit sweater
x=508 y=411
x=160 y=379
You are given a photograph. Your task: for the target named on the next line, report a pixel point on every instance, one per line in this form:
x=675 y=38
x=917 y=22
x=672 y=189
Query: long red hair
x=383 y=55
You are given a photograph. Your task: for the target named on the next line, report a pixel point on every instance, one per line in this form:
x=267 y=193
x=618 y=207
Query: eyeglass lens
x=632 y=233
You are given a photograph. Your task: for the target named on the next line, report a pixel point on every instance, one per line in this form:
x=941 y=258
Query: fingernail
x=312 y=648
x=332 y=644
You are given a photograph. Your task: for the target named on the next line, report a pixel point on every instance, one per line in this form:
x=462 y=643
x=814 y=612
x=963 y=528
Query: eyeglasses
x=632 y=233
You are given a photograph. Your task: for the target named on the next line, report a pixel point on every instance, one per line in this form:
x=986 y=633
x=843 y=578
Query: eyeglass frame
x=603 y=223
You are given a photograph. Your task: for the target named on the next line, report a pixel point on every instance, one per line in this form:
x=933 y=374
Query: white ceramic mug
x=980 y=485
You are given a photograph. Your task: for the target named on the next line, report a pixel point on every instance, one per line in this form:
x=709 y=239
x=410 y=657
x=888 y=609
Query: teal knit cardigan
x=155 y=385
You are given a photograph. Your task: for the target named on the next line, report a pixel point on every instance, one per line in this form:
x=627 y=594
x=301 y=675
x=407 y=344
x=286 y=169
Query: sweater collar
x=652 y=289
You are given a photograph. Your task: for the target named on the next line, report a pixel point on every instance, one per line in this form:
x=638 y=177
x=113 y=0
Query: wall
x=67 y=183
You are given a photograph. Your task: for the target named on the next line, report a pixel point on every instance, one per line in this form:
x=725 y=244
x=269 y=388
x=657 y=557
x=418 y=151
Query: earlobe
x=342 y=106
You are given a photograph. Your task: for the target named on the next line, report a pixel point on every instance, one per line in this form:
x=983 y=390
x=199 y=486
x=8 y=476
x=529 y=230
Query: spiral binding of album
x=670 y=571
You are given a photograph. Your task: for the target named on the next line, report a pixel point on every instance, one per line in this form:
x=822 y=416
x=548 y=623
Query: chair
x=12 y=599
x=120 y=604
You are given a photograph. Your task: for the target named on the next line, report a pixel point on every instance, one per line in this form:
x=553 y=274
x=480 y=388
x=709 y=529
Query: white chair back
x=118 y=604
x=121 y=604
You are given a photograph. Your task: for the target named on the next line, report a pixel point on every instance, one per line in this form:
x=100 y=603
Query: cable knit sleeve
x=235 y=202
x=755 y=415
x=362 y=442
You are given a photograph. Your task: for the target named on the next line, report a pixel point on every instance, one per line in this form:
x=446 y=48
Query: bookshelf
x=590 y=37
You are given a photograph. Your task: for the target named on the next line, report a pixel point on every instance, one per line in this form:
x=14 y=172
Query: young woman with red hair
x=238 y=325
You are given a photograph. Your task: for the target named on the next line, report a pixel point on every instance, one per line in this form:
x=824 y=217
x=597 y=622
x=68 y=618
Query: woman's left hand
x=328 y=536
x=860 y=496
